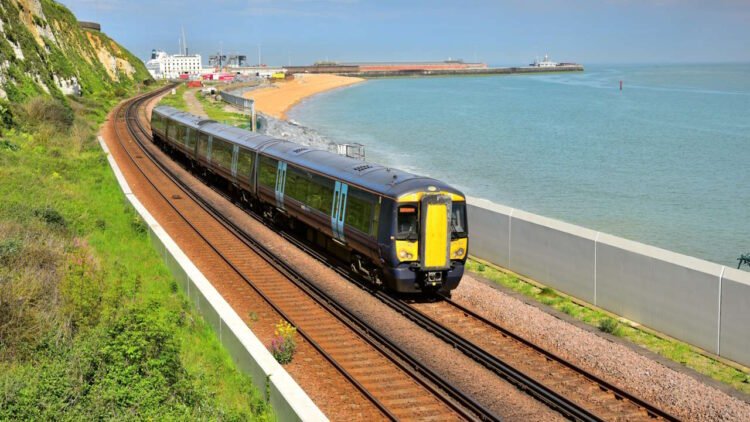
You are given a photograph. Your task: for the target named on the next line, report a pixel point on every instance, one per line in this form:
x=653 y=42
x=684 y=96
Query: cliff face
x=43 y=50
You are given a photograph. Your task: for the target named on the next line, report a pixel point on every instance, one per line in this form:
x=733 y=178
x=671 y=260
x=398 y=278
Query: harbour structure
x=546 y=62
x=447 y=67
x=172 y=66
x=227 y=60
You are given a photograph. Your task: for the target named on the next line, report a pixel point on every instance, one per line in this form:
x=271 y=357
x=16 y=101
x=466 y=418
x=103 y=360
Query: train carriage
x=402 y=230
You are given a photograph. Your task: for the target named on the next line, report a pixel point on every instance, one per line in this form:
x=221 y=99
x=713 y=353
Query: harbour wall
x=463 y=72
x=355 y=71
x=288 y=401
x=696 y=301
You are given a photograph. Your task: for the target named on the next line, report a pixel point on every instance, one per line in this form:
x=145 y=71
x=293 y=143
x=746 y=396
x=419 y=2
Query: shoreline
x=275 y=101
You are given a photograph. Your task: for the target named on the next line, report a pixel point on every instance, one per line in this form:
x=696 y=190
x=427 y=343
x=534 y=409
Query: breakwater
x=463 y=72
x=360 y=72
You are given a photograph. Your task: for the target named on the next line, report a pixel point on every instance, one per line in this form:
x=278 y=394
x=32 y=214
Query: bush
x=609 y=325
x=283 y=345
x=138 y=225
x=52 y=217
x=41 y=110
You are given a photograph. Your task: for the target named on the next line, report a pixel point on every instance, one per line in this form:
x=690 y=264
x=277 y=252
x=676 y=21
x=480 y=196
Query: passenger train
x=405 y=232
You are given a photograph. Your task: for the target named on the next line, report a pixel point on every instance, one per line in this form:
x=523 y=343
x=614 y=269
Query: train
x=403 y=232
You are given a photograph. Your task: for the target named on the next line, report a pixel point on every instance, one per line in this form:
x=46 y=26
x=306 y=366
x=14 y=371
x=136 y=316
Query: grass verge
x=216 y=110
x=176 y=100
x=92 y=325
x=674 y=350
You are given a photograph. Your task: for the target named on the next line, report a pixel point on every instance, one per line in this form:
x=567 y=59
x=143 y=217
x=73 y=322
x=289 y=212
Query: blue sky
x=498 y=32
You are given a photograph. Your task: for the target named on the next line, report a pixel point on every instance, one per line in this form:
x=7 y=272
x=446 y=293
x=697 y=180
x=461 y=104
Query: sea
x=665 y=161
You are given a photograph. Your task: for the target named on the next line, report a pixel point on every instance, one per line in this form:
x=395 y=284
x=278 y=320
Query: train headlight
x=459 y=253
x=404 y=254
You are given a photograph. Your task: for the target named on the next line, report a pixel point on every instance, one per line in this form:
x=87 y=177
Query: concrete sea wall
x=696 y=301
x=288 y=400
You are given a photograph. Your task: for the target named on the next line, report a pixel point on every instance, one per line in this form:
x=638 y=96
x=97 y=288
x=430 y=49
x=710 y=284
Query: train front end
x=429 y=242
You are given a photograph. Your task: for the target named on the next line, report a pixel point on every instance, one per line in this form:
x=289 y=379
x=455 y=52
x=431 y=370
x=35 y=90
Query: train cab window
x=458 y=220
x=406 y=223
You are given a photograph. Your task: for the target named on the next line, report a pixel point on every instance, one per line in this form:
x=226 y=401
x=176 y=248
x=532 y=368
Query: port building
x=165 y=66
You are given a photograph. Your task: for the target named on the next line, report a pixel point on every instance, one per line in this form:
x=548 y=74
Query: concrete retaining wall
x=699 y=302
x=288 y=400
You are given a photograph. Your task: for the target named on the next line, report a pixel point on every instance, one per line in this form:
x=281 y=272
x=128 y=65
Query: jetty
x=448 y=67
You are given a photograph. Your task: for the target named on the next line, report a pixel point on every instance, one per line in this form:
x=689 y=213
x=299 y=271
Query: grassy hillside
x=92 y=325
x=43 y=51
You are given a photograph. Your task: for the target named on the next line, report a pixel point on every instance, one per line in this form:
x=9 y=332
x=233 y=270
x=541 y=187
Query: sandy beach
x=277 y=99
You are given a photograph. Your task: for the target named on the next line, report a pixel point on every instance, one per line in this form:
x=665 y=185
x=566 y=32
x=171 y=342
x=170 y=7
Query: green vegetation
x=92 y=325
x=73 y=53
x=283 y=345
x=216 y=111
x=176 y=100
x=671 y=349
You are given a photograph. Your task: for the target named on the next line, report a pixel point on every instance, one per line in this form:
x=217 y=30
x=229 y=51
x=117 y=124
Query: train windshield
x=407 y=223
x=458 y=220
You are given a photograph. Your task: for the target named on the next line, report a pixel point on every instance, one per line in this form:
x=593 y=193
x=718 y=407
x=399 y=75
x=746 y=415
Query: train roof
x=374 y=177
x=182 y=117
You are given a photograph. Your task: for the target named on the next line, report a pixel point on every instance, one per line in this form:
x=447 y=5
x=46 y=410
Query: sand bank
x=277 y=99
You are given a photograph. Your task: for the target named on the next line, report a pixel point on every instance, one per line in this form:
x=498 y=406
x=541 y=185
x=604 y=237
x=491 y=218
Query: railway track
x=396 y=385
x=570 y=390
x=574 y=392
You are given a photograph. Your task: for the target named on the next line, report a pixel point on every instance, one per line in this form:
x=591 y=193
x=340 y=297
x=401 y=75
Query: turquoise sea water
x=664 y=162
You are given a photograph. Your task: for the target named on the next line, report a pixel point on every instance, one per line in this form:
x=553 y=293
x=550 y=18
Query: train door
x=280 y=184
x=338 y=210
x=435 y=237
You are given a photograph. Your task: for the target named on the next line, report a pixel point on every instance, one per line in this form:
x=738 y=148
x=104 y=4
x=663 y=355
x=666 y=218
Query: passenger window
x=203 y=146
x=407 y=223
x=267 y=172
x=359 y=210
x=244 y=164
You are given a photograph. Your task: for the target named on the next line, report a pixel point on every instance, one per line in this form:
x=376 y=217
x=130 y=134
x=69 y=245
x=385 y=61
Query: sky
x=499 y=32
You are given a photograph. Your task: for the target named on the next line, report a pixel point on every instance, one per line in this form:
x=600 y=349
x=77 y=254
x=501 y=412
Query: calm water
x=665 y=162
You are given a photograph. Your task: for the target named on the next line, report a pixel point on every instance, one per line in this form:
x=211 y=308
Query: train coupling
x=434 y=278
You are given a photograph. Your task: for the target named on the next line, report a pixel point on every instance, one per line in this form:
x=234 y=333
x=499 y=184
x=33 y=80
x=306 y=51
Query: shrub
x=138 y=225
x=609 y=325
x=283 y=345
x=481 y=268
x=6 y=144
x=52 y=217
x=45 y=110
x=9 y=249
x=82 y=288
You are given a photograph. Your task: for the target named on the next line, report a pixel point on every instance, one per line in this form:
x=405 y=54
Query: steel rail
x=521 y=380
x=273 y=305
x=411 y=366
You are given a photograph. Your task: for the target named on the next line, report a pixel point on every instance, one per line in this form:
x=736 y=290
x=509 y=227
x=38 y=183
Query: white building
x=165 y=66
x=544 y=63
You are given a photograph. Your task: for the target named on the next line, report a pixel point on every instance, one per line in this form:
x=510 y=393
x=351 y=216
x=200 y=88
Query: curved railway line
x=396 y=385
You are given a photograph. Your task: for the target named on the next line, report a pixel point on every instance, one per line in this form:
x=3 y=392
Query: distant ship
x=544 y=63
